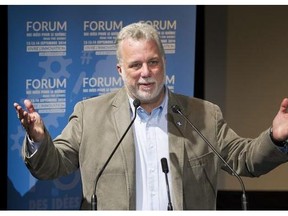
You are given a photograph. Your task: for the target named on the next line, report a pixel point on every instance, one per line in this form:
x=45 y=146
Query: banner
x=59 y=55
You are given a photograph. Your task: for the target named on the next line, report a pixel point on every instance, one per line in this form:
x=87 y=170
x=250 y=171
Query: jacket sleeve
x=58 y=157
x=247 y=156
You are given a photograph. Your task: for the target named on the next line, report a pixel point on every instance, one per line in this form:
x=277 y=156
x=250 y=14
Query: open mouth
x=146 y=86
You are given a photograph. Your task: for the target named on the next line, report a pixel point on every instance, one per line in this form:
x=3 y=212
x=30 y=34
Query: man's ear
x=119 y=69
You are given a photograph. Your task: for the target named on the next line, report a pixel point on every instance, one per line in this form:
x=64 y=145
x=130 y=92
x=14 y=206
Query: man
x=133 y=179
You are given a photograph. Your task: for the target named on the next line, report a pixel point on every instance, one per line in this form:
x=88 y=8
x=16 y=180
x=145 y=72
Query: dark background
x=3 y=105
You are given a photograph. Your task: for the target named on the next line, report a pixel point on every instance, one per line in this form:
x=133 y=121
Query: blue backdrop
x=58 y=55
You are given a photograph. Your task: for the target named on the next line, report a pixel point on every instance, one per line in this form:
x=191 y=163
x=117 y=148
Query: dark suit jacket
x=96 y=126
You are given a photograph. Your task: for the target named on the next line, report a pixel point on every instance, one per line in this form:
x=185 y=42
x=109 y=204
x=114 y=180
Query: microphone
x=136 y=104
x=165 y=169
x=176 y=109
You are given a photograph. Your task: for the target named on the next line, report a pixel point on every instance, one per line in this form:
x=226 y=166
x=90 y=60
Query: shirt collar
x=162 y=106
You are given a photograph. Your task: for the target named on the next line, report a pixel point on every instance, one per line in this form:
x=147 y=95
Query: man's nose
x=145 y=70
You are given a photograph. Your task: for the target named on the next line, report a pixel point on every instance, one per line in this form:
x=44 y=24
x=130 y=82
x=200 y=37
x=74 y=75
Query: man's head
x=141 y=62
x=138 y=31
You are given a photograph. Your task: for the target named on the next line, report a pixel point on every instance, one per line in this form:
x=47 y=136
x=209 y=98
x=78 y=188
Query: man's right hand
x=30 y=120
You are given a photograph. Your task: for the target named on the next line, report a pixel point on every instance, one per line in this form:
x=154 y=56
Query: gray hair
x=138 y=31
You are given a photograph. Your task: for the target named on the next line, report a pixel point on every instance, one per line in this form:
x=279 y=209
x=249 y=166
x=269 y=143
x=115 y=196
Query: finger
x=22 y=116
x=284 y=105
x=15 y=105
x=29 y=106
x=19 y=111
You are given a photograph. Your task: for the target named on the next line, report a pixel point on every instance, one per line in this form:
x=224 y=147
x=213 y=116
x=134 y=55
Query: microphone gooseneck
x=165 y=169
x=136 y=104
x=176 y=109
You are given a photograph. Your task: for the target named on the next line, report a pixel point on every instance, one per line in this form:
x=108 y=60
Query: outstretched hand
x=280 y=122
x=30 y=120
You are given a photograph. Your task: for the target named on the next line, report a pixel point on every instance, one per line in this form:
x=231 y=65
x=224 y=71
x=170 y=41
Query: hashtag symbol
x=86 y=57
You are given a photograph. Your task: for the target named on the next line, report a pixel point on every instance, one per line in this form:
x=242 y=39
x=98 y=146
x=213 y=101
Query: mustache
x=146 y=80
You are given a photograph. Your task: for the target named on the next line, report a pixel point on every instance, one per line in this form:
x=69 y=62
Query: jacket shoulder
x=112 y=98
x=187 y=102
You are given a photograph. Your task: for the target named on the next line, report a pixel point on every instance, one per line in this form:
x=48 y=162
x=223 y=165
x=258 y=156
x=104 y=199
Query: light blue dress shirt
x=151 y=144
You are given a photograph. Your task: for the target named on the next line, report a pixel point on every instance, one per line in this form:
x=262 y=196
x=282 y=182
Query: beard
x=145 y=95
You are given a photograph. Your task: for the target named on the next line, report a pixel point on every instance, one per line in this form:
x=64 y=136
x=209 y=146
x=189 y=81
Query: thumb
x=29 y=106
x=284 y=106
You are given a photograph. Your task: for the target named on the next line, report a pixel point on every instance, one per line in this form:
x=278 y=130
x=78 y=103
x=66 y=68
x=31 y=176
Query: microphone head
x=164 y=165
x=136 y=103
x=175 y=109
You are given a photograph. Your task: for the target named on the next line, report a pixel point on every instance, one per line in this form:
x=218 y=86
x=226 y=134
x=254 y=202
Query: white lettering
x=102 y=25
x=46 y=26
x=45 y=83
x=101 y=82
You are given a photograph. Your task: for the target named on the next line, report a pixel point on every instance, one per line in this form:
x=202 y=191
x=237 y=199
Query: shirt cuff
x=32 y=146
x=284 y=148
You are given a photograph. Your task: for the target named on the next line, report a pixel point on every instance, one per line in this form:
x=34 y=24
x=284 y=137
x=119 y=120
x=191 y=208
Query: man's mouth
x=146 y=85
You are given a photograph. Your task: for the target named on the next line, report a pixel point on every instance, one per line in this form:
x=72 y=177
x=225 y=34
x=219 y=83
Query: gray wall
x=246 y=74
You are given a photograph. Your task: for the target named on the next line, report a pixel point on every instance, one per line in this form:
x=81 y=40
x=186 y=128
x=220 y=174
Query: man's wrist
x=277 y=142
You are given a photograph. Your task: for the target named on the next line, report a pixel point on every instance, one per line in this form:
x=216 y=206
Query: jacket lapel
x=122 y=118
x=176 y=128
